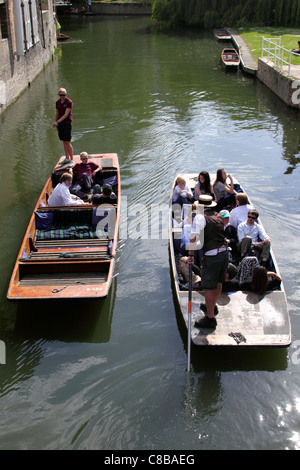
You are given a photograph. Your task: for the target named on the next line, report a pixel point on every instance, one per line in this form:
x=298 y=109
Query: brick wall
x=17 y=72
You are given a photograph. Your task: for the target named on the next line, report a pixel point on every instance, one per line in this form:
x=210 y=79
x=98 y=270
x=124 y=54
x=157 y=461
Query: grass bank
x=253 y=38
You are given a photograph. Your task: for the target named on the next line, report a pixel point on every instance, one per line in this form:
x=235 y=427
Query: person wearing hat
x=230 y=234
x=63 y=121
x=84 y=173
x=209 y=228
x=107 y=196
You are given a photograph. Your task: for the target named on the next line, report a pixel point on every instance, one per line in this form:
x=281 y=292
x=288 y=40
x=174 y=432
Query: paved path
x=248 y=63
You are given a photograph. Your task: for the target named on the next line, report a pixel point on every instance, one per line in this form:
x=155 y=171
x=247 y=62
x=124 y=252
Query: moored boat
x=62 y=37
x=245 y=319
x=68 y=252
x=230 y=59
x=222 y=35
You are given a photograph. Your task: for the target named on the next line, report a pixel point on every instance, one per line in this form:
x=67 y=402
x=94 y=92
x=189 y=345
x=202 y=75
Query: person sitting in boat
x=184 y=271
x=230 y=234
x=106 y=197
x=203 y=186
x=224 y=192
x=240 y=213
x=61 y=195
x=262 y=281
x=231 y=284
x=84 y=173
x=251 y=235
x=181 y=192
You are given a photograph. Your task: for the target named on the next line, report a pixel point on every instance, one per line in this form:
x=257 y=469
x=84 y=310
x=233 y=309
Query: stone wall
x=118 y=8
x=17 y=72
x=283 y=86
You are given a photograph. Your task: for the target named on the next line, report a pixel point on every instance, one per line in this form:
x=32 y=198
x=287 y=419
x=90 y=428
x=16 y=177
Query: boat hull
x=230 y=59
x=64 y=267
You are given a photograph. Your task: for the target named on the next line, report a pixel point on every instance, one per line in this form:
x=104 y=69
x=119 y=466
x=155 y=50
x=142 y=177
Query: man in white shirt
x=250 y=233
x=240 y=213
x=61 y=195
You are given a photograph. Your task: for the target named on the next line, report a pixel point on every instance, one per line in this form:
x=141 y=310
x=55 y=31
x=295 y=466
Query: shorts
x=65 y=132
x=214 y=269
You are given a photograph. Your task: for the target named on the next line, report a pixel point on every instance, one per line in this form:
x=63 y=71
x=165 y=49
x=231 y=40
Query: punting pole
x=189 y=316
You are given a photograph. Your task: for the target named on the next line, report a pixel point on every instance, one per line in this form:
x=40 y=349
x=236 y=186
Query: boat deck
x=244 y=319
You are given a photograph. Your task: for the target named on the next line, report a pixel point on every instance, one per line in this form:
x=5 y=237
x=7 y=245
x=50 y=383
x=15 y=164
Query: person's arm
x=229 y=187
x=199 y=224
x=262 y=235
x=54 y=124
x=188 y=191
x=96 y=168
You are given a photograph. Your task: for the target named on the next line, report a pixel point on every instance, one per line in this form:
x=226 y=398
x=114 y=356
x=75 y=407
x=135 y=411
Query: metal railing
x=280 y=56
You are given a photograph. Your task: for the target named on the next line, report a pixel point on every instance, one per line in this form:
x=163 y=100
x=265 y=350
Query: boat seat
x=74 y=223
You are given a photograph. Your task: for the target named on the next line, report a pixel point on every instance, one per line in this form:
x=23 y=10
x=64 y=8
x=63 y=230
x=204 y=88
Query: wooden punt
x=57 y=262
x=230 y=59
x=245 y=319
x=222 y=35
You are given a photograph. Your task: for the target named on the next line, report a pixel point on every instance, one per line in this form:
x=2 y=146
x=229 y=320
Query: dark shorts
x=214 y=270
x=65 y=132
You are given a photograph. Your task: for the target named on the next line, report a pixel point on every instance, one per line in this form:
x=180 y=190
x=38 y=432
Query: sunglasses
x=62 y=94
x=251 y=217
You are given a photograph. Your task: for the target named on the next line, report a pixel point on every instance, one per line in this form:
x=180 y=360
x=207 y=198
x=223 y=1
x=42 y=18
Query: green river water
x=112 y=375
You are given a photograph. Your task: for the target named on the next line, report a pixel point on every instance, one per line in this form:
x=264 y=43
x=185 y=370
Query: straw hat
x=206 y=200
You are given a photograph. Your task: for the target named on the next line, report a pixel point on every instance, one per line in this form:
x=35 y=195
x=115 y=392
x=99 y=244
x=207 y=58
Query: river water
x=113 y=375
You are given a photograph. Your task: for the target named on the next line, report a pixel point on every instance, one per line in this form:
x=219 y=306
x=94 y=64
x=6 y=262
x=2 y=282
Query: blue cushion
x=44 y=220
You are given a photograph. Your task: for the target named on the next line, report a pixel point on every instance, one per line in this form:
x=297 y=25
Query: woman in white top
x=181 y=193
x=61 y=195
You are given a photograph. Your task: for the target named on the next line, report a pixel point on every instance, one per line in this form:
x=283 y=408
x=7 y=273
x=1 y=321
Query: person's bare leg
x=68 y=150
x=211 y=297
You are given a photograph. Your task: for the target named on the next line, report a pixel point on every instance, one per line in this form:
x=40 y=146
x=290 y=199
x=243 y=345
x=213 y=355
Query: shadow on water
x=65 y=320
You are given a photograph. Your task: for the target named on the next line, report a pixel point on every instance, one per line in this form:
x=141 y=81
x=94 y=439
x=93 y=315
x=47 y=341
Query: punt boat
x=222 y=35
x=245 y=319
x=230 y=59
x=69 y=252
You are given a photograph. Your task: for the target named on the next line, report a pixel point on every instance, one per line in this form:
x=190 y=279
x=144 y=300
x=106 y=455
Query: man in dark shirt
x=107 y=196
x=84 y=173
x=63 y=121
x=214 y=264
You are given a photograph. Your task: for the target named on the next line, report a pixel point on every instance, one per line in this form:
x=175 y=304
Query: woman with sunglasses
x=63 y=121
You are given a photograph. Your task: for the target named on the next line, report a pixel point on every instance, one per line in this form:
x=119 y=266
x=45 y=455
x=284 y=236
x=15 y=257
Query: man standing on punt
x=215 y=260
x=63 y=121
